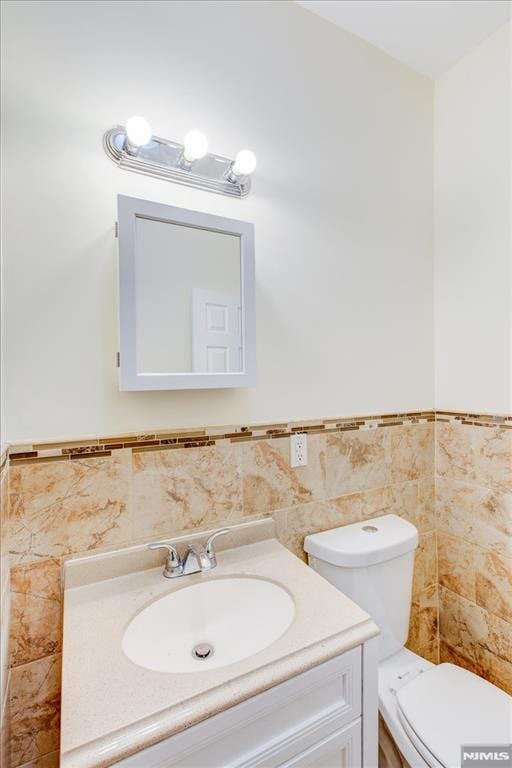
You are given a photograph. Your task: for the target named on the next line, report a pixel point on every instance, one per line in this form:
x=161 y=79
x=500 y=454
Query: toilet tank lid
x=365 y=543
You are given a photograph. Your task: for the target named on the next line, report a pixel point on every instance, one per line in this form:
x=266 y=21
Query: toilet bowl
x=431 y=711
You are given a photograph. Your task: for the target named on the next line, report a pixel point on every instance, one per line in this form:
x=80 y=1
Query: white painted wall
x=473 y=267
x=342 y=206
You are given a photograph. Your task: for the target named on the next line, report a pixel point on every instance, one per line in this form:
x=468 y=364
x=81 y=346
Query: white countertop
x=112 y=708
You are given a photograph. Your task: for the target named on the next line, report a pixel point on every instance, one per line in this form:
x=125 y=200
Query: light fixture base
x=162 y=159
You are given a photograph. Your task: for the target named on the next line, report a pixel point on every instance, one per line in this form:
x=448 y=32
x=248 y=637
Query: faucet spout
x=197 y=559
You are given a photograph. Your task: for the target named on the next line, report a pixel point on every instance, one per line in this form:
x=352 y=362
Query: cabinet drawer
x=271 y=727
x=342 y=749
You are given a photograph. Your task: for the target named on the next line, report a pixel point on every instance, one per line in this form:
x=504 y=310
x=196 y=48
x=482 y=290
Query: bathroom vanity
x=291 y=680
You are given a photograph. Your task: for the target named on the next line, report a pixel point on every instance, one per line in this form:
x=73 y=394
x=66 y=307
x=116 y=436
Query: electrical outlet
x=298 y=449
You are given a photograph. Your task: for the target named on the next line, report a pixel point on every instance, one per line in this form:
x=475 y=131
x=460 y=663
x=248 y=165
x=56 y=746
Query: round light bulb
x=138 y=131
x=196 y=146
x=245 y=162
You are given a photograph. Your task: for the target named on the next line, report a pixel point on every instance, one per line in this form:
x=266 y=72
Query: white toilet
x=429 y=710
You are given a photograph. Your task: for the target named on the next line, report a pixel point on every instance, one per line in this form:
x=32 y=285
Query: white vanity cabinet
x=323 y=718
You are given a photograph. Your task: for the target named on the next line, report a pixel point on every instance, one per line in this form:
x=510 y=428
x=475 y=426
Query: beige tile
x=366 y=504
x=449 y=655
x=426 y=515
x=36 y=624
x=490 y=666
x=5 y=735
x=492 y=450
x=294 y=523
x=412 y=452
x=456 y=565
x=495 y=669
x=454 y=455
x=357 y=461
x=65 y=507
x=400 y=499
x=475 y=639
x=179 y=490
x=360 y=506
x=5 y=612
x=413 y=500
x=425 y=566
x=462 y=624
x=270 y=483
x=35 y=707
x=494 y=584
x=475 y=514
x=482 y=455
x=4 y=532
x=430 y=651
x=47 y=761
x=498 y=640
x=423 y=624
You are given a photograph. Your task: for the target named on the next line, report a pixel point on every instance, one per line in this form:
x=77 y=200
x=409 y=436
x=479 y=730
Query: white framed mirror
x=186 y=298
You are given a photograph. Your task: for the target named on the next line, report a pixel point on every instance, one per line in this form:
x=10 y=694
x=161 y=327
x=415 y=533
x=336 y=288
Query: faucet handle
x=210 y=548
x=173 y=563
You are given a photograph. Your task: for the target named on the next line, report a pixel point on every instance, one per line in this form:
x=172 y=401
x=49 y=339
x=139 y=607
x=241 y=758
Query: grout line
x=469 y=482
x=474 y=604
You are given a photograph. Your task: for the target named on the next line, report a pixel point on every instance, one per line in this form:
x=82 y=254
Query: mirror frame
x=129 y=208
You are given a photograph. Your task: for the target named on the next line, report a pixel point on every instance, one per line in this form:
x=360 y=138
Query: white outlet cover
x=298 y=450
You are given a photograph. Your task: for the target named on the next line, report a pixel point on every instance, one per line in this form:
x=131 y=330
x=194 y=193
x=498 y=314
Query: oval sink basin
x=208 y=625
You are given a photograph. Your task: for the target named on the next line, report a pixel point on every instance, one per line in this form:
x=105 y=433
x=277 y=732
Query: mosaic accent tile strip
x=195 y=438
x=476 y=419
x=208 y=436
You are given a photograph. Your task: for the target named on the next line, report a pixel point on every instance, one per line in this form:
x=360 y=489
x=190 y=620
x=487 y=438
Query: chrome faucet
x=198 y=558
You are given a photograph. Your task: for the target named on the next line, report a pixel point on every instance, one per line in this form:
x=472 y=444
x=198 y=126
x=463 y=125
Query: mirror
x=186 y=298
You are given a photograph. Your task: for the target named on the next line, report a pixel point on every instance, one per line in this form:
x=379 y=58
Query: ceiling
x=428 y=35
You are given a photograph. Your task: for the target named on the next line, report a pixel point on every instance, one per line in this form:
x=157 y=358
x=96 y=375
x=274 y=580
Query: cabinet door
x=271 y=728
x=341 y=749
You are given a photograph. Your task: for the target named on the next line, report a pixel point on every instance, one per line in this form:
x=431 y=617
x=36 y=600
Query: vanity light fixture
x=196 y=146
x=138 y=134
x=245 y=163
x=134 y=148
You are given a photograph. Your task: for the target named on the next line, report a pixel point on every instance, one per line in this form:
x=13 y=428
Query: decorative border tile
x=195 y=438
x=476 y=419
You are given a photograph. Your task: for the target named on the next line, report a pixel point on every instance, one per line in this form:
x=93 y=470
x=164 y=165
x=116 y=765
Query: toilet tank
x=372 y=563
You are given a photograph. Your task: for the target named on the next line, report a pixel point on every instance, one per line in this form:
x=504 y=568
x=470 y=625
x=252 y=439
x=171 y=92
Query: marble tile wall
x=463 y=511
x=452 y=479
x=60 y=507
x=474 y=529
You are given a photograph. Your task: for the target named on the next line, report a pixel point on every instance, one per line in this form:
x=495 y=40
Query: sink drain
x=202 y=651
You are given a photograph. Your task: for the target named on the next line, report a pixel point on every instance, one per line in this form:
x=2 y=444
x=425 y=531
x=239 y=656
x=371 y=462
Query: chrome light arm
x=173 y=564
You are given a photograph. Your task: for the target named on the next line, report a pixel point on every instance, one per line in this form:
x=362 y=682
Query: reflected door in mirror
x=216 y=331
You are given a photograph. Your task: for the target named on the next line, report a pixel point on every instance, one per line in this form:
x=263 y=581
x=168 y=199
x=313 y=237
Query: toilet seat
x=447 y=706
x=426 y=754
x=394 y=672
